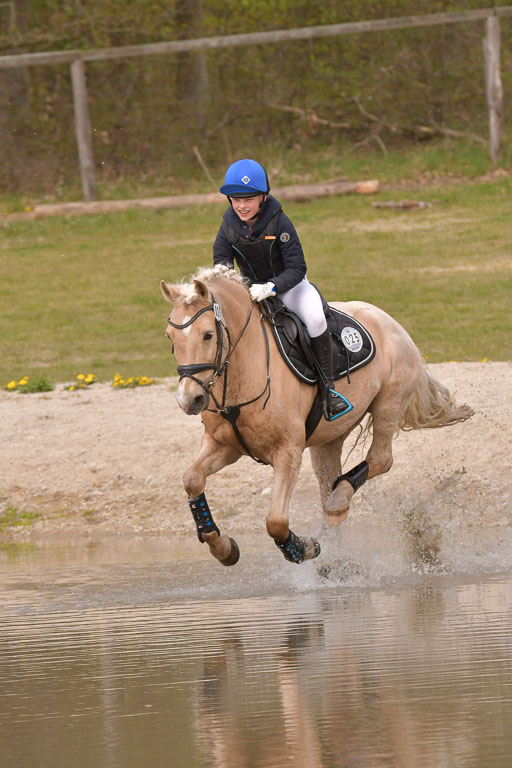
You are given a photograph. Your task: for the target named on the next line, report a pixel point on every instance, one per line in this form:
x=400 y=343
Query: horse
x=232 y=373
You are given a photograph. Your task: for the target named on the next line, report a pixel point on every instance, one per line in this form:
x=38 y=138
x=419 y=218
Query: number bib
x=352 y=339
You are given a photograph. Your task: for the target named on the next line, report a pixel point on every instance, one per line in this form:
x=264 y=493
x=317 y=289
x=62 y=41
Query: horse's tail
x=432 y=406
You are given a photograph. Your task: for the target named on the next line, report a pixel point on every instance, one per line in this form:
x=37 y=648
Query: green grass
x=317 y=160
x=29 y=386
x=14 y=518
x=81 y=294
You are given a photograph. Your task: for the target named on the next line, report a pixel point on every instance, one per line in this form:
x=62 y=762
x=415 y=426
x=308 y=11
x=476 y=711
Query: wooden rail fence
x=76 y=58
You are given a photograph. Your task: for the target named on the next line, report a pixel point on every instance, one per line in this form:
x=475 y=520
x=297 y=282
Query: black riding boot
x=334 y=404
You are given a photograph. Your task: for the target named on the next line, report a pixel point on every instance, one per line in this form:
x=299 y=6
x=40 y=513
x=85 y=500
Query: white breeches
x=305 y=301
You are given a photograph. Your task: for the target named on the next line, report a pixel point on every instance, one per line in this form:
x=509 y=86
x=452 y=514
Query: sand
x=106 y=462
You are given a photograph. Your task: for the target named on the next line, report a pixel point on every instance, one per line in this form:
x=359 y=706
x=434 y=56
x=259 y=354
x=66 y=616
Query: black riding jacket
x=270 y=249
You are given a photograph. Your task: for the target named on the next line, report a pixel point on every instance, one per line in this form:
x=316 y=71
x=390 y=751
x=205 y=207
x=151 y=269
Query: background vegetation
x=81 y=294
x=380 y=89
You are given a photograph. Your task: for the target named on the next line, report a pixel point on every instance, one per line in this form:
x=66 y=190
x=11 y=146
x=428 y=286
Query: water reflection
x=413 y=676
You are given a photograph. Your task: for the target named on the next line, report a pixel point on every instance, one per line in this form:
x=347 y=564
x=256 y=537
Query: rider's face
x=247 y=208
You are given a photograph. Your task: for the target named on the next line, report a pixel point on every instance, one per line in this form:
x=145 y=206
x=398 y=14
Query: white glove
x=260 y=291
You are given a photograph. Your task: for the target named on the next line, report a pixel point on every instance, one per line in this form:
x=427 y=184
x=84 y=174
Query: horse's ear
x=170 y=292
x=201 y=289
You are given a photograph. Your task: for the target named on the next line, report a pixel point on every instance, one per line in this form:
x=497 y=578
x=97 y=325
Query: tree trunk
x=192 y=86
x=14 y=101
x=494 y=88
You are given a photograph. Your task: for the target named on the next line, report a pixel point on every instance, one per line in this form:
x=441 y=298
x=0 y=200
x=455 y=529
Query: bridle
x=220 y=367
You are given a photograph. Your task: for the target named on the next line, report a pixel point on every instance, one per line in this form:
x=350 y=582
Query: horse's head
x=193 y=328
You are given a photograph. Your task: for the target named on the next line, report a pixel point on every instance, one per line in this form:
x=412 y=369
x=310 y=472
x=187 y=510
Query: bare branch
x=203 y=165
x=310 y=117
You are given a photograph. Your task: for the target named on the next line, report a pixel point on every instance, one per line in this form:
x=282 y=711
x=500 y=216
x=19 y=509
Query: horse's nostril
x=198 y=402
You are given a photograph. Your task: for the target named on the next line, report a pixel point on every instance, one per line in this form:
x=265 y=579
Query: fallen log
x=296 y=193
x=302 y=192
x=405 y=205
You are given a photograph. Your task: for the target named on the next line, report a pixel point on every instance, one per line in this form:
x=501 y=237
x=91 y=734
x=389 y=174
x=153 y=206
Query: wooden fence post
x=493 y=87
x=83 y=130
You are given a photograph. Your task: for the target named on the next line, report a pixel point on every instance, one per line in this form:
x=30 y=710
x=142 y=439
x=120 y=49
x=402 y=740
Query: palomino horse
x=232 y=373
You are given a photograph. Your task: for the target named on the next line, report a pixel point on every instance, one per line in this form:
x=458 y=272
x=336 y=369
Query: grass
x=316 y=160
x=28 y=386
x=81 y=294
x=14 y=518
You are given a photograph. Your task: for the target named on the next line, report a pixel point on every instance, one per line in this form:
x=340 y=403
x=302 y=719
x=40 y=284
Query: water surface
x=135 y=655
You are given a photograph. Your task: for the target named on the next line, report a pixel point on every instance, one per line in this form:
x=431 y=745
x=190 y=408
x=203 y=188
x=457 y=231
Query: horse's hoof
x=234 y=555
x=312 y=549
x=338 y=503
x=339 y=500
x=335 y=518
x=296 y=549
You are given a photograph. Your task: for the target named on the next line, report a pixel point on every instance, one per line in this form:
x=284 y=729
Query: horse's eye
x=208 y=336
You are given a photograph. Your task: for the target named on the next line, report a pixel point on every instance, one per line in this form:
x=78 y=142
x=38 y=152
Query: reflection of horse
x=259 y=408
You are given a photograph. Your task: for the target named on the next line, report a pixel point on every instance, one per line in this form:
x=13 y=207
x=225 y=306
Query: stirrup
x=327 y=412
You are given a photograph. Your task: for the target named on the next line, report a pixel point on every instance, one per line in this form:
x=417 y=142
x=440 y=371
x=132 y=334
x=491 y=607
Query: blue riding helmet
x=245 y=178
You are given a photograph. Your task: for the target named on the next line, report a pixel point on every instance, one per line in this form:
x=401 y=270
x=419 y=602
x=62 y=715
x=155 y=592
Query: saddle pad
x=353 y=347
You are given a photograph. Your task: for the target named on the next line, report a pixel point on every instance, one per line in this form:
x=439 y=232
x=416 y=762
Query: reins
x=220 y=368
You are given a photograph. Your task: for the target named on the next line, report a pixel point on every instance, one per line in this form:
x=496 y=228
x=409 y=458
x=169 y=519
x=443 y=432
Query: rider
x=257 y=233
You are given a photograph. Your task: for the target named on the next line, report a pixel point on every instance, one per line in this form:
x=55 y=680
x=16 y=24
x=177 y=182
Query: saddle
x=352 y=345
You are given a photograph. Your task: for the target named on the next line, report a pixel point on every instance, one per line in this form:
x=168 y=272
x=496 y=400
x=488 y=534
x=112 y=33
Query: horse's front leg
x=296 y=549
x=212 y=457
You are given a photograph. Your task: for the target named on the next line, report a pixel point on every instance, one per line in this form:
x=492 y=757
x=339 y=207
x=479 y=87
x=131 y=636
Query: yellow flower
x=12 y=385
x=80 y=376
x=71 y=388
x=23 y=381
x=485 y=360
x=90 y=378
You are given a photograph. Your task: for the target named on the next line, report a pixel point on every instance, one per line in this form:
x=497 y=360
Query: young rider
x=261 y=238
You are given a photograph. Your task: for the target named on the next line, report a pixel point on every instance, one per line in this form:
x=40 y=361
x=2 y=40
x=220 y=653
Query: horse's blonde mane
x=208 y=275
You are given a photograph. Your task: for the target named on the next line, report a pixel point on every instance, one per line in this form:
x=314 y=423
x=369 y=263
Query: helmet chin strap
x=265 y=198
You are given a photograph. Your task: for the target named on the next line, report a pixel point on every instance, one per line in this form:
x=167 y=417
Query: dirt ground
x=109 y=462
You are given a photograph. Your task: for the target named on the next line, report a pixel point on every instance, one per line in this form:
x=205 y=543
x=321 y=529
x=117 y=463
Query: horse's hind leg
x=326 y=461
x=386 y=412
x=212 y=457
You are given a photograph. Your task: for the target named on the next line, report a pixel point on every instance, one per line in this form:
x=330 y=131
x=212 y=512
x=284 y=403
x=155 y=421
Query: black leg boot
x=335 y=405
